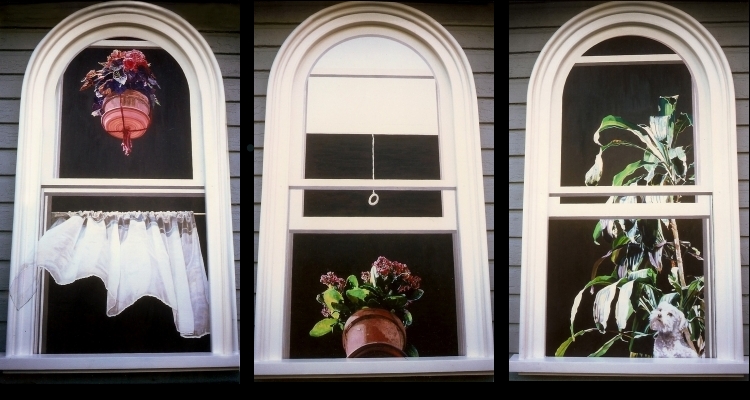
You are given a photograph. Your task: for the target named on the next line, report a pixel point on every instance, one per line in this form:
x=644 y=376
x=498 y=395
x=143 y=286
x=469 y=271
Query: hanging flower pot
x=374 y=332
x=124 y=90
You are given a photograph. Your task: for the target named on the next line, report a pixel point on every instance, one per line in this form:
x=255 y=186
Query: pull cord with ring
x=374 y=201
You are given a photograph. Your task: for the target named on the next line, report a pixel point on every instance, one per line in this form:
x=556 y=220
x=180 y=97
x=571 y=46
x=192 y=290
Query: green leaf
x=594 y=174
x=410 y=350
x=574 y=310
x=597 y=231
x=602 y=305
x=645 y=275
x=667 y=105
x=357 y=295
x=564 y=346
x=623 y=308
x=407 y=318
x=352 y=281
x=323 y=326
x=416 y=294
x=612 y=121
x=605 y=347
x=682 y=123
x=333 y=299
x=627 y=171
x=398 y=301
x=372 y=289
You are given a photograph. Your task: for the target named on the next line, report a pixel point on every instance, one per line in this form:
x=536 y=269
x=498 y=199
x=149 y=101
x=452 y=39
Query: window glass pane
x=88 y=151
x=429 y=256
x=356 y=203
x=76 y=321
x=630 y=92
x=350 y=157
x=572 y=257
x=628 y=45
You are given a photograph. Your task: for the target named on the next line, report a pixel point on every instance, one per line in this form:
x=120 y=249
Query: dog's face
x=667 y=318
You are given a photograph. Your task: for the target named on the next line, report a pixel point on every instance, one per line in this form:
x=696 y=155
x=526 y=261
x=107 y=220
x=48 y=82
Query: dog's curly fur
x=669 y=322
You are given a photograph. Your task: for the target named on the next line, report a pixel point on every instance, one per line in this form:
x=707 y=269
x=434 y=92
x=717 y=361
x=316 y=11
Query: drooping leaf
x=597 y=231
x=602 y=304
x=672 y=298
x=612 y=121
x=627 y=171
x=623 y=308
x=646 y=275
x=595 y=172
x=682 y=123
x=598 y=262
x=574 y=310
x=407 y=318
x=605 y=347
x=416 y=294
x=323 y=326
x=564 y=346
x=679 y=160
x=410 y=350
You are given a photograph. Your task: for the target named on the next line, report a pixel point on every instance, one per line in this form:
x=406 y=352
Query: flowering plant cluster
x=123 y=70
x=388 y=285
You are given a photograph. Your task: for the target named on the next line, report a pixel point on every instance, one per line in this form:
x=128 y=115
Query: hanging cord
x=370 y=200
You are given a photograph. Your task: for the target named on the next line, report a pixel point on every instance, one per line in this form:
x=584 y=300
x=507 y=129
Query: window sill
x=363 y=367
x=138 y=362
x=628 y=366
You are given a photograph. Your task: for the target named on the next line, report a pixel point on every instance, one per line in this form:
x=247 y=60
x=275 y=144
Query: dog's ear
x=682 y=321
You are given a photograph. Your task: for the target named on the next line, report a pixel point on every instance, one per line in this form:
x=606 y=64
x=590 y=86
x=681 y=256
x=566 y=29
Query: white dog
x=669 y=322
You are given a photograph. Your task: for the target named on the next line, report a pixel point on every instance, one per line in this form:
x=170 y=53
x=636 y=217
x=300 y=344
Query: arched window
x=372 y=148
x=575 y=70
x=51 y=174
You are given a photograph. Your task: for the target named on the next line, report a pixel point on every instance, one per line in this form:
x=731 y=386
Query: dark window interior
x=628 y=91
x=429 y=256
x=628 y=45
x=87 y=151
x=391 y=203
x=350 y=157
x=76 y=319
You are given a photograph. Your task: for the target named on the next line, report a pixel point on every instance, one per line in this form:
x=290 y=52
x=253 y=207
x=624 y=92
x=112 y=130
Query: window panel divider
x=369 y=184
x=630 y=59
x=631 y=210
x=593 y=191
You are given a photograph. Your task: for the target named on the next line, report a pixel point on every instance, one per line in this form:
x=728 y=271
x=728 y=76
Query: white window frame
x=714 y=112
x=36 y=179
x=283 y=182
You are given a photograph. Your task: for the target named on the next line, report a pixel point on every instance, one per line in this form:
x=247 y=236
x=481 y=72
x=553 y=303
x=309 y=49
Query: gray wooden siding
x=471 y=25
x=21 y=29
x=531 y=25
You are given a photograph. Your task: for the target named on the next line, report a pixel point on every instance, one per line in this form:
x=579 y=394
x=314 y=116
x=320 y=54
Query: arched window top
x=371 y=55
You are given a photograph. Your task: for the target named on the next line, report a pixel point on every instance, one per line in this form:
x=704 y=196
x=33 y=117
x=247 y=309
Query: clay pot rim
x=373 y=313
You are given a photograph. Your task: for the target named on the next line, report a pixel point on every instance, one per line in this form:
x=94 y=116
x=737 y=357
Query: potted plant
x=639 y=247
x=372 y=316
x=124 y=92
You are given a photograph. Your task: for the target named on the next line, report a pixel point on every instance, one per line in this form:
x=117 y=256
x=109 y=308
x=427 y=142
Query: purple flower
x=332 y=280
x=366 y=277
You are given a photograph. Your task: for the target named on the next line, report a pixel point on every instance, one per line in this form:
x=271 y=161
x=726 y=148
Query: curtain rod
x=59 y=213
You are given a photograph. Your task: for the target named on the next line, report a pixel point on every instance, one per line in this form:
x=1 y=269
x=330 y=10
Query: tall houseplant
x=640 y=246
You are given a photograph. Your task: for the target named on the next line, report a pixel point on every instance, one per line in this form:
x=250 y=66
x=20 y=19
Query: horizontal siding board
x=234 y=184
x=488 y=162
x=729 y=34
x=256 y=217
x=9 y=110
x=4 y=277
x=235 y=218
x=529 y=39
x=516 y=143
x=515 y=196
x=742 y=112
x=745 y=308
x=515 y=223
x=490 y=244
x=7 y=162
x=5 y=239
x=514 y=280
x=743 y=189
x=232 y=89
x=258 y=133
x=226 y=43
x=742 y=163
x=513 y=338
x=263 y=58
x=233 y=113
x=740 y=86
x=486 y=110
x=234 y=164
x=236 y=243
x=514 y=308
x=487 y=136
x=7 y=189
x=229 y=65
x=255 y=246
x=20 y=39
x=4 y=307
x=744 y=248
x=255 y=276
x=745 y=285
x=520 y=65
x=517 y=90
x=515 y=169
x=489 y=189
x=737 y=58
x=257 y=187
x=237 y=275
x=259 y=108
x=14 y=62
x=272 y=34
x=514 y=251
x=491 y=265
x=271 y=12
x=745 y=330
x=481 y=60
x=485 y=84
x=258 y=162
x=473 y=37
x=489 y=214
x=209 y=16
x=10 y=86
x=743 y=138
x=260 y=83
x=744 y=222
x=516 y=116
x=8 y=136
x=233 y=133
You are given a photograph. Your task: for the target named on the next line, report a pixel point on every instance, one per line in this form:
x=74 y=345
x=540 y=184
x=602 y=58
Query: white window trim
x=461 y=174
x=714 y=112
x=38 y=143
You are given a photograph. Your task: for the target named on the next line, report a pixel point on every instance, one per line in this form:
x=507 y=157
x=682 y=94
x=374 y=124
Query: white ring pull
x=372 y=203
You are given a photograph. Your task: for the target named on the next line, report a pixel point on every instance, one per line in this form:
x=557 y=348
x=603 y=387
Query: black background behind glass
x=76 y=313
x=572 y=253
x=88 y=151
x=627 y=45
x=629 y=91
x=355 y=203
x=430 y=256
x=350 y=157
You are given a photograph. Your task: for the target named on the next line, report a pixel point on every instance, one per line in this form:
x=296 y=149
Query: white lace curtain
x=135 y=254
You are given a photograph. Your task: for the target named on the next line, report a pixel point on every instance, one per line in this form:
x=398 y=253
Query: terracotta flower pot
x=374 y=332
x=129 y=111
